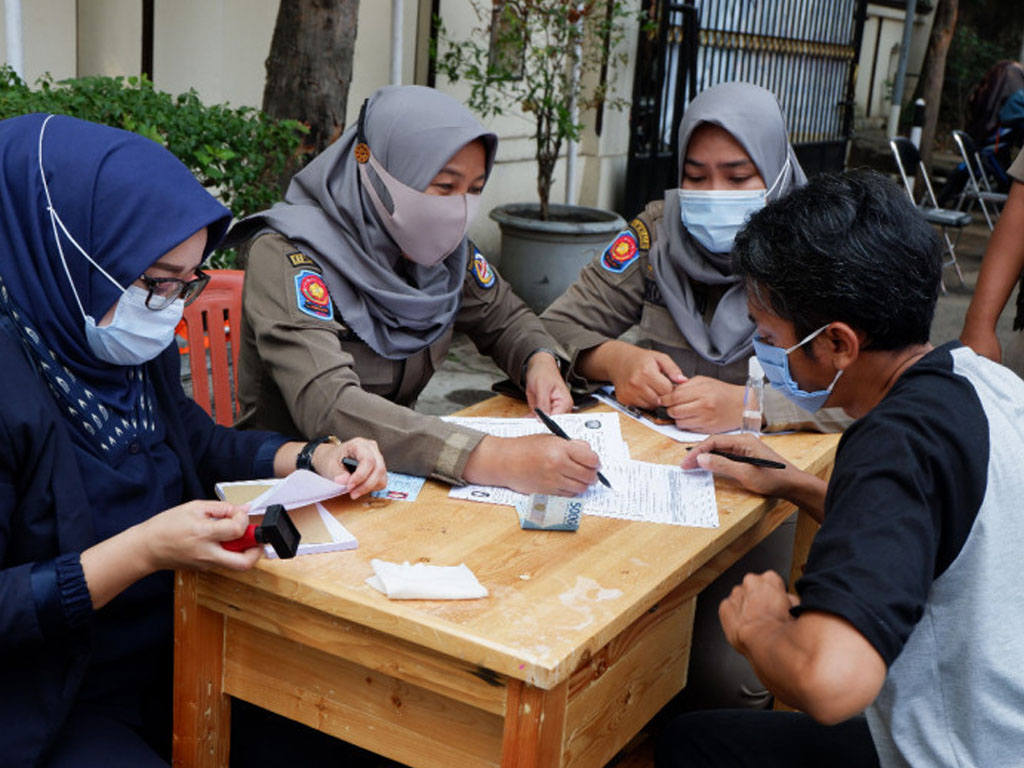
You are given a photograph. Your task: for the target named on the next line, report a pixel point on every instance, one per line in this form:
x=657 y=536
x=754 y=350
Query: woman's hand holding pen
x=533 y=464
x=803 y=489
x=545 y=387
x=370 y=475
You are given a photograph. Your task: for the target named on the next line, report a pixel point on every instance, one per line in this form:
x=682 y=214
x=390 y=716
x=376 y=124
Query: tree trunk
x=310 y=67
x=934 y=71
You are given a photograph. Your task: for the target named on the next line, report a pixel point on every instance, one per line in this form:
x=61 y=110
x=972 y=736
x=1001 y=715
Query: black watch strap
x=305 y=458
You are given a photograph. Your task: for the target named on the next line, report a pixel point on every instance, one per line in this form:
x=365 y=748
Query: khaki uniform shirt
x=617 y=291
x=303 y=372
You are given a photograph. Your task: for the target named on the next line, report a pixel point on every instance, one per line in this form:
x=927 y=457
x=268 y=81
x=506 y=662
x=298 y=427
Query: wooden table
x=584 y=636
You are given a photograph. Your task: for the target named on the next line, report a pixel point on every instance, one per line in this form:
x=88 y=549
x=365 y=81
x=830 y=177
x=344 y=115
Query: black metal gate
x=804 y=51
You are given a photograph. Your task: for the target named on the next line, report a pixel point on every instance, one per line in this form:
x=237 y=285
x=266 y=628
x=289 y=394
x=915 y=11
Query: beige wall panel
x=109 y=37
x=217 y=47
x=48 y=38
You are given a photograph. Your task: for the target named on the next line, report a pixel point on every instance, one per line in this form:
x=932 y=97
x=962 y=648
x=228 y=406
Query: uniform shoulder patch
x=621 y=253
x=298 y=259
x=482 y=272
x=312 y=296
x=643 y=237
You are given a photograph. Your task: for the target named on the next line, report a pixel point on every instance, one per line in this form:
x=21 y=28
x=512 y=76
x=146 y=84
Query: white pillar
x=12 y=24
x=574 y=116
x=396 y=42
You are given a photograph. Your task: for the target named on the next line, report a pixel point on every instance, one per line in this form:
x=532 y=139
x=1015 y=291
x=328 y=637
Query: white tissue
x=401 y=581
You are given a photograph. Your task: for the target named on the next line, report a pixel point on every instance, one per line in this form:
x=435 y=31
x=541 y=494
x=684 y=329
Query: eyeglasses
x=163 y=291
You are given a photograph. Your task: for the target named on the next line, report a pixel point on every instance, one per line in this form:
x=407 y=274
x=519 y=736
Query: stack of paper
x=300 y=493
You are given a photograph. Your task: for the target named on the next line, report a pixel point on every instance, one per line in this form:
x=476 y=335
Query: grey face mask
x=426 y=227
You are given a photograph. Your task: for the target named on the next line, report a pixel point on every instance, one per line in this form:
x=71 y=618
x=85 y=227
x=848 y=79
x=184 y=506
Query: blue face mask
x=714 y=216
x=775 y=362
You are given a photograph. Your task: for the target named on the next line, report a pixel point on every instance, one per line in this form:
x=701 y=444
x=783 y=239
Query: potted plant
x=547 y=60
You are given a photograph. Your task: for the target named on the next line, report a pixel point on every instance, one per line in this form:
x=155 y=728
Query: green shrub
x=240 y=154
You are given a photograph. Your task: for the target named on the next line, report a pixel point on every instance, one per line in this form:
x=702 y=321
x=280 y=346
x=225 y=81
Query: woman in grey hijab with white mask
x=355 y=283
x=670 y=274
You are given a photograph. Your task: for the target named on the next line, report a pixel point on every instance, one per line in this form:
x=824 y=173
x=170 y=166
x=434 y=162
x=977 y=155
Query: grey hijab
x=752 y=115
x=396 y=306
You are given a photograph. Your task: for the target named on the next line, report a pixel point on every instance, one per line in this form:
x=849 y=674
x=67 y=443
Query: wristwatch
x=305 y=458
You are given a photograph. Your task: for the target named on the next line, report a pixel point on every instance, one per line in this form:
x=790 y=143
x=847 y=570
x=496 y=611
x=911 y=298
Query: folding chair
x=213 y=325
x=908 y=160
x=977 y=190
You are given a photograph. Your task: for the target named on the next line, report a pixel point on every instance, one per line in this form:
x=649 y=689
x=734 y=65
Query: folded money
x=540 y=512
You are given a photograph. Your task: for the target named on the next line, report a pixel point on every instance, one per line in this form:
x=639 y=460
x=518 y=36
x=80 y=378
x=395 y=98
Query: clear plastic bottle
x=753 y=398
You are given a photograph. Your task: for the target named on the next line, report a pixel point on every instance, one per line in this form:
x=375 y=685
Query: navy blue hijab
x=124 y=198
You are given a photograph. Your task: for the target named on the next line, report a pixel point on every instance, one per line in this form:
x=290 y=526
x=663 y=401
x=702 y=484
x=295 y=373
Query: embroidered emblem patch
x=312 y=297
x=643 y=237
x=482 y=272
x=299 y=259
x=621 y=253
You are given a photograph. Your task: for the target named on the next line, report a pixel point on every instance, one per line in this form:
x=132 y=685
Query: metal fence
x=804 y=51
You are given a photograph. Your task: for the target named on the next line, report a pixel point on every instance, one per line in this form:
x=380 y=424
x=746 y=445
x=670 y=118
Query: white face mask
x=137 y=334
x=426 y=227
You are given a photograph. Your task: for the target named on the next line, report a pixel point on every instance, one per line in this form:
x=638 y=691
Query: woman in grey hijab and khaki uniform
x=356 y=282
x=669 y=273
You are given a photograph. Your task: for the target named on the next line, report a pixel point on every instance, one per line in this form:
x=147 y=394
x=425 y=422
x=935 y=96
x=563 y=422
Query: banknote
x=540 y=512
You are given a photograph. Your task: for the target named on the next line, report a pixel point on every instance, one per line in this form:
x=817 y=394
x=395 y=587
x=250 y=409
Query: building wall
x=879 y=58
x=48 y=38
x=109 y=37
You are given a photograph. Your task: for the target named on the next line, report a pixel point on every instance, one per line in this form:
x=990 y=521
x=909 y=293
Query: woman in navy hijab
x=101 y=236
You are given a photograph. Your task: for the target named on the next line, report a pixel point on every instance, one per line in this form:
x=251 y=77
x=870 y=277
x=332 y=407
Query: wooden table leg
x=534 y=726
x=202 y=711
x=806 y=528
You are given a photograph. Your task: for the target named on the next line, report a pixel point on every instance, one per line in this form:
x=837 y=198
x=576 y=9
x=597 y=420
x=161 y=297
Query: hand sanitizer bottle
x=753 y=398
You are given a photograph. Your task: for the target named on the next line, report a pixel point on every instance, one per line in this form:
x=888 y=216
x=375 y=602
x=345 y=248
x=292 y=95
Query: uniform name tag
x=299 y=259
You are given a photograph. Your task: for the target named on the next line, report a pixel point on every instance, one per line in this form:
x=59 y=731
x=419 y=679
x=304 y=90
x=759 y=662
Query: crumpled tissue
x=401 y=581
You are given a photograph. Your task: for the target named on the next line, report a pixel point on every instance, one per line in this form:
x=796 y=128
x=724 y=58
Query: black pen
x=350 y=464
x=755 y=460
x=558 y=431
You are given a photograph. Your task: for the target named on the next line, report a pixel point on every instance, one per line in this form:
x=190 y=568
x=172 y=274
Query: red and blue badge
x=482 y=272
x=621 y=253
x=312 y=297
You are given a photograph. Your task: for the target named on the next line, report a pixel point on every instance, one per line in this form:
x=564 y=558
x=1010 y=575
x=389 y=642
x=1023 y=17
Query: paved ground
x=466 y=377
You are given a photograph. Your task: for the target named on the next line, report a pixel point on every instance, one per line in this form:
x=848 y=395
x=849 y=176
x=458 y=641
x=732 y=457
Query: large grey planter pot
x=540 y=259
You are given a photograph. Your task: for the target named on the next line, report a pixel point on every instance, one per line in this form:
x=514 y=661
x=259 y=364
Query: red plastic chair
x=212 y=324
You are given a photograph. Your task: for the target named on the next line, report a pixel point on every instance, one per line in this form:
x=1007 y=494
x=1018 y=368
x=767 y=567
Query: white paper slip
x=298 y=489
x=607 y=395
x=401 y=581
x=655 y=493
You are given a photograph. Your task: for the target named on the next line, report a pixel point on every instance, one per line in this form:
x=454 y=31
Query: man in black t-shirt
x=903 y=612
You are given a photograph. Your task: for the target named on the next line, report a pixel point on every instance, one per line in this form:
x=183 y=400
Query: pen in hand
x=754 y=460
x=552 y=425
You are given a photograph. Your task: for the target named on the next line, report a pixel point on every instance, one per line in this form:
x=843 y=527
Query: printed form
x=658 y=493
